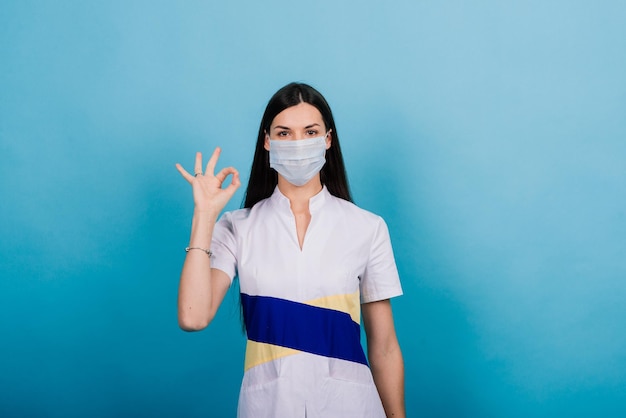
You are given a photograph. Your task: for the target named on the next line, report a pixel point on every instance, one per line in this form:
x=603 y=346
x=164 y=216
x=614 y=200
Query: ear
x=329 y=138
x=266 y=144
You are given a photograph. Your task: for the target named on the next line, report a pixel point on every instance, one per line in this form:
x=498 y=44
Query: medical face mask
x=298 y=161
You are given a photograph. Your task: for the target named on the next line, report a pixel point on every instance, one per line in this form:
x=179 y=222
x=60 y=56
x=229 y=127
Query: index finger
x=210 y=166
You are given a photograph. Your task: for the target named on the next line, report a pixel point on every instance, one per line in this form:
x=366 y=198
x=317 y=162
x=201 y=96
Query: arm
x=385 y=356
x=201 y=288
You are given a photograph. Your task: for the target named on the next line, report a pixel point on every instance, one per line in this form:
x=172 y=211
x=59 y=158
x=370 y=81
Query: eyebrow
x=288 y=128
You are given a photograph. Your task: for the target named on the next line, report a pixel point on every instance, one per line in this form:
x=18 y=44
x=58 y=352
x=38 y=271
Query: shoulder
x=235 y=215
x=231 y=221
x=356 y=213
x=246 y=215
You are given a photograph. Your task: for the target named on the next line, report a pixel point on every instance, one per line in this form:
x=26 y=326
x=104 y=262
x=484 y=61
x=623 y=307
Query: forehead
x=298 y=116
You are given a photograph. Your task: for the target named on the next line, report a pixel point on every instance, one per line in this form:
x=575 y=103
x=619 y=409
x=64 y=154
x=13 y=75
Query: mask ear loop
x=267 y=140
x=326 y=137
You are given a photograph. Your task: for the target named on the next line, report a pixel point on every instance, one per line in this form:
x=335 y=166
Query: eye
x=311 y=132
x=283 y=134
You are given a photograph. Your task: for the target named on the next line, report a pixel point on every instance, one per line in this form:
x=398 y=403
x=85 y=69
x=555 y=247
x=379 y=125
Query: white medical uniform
x=303 y=356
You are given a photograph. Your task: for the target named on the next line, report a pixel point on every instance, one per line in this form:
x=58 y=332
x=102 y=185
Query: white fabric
x=345 y=249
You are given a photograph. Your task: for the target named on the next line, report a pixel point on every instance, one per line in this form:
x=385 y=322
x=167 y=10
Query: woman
x=309 y=263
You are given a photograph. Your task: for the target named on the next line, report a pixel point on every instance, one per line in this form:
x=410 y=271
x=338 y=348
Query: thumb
x=234 y=184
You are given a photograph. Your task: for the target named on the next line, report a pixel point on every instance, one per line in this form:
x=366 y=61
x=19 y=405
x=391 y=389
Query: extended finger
x=210 y=166
x=198 y=167
x=184 y=173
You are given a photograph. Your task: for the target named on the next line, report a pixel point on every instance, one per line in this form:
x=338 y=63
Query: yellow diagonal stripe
x=348 y=303
x=259 y=353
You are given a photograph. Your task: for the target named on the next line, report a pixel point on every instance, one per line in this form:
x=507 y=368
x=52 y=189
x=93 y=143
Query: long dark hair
x=263 y=179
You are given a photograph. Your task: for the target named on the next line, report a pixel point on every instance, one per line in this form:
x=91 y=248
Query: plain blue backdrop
x=490 y=135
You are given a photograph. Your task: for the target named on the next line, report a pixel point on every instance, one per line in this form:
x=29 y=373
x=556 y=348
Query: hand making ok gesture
x=208 y=194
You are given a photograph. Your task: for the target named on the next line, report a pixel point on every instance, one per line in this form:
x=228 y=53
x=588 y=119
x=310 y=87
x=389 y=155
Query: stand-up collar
x=282 y=203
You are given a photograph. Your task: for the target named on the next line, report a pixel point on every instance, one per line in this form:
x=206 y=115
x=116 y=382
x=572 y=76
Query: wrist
x=205 y=214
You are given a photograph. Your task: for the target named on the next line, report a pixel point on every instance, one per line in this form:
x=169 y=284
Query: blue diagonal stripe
x=316 y=330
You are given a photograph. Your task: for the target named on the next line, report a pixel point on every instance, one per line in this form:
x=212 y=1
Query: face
x=301 y=121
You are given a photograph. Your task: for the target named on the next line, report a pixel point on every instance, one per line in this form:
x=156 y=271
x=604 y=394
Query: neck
x=299 y=195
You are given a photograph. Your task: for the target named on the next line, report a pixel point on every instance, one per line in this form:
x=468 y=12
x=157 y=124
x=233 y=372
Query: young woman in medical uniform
x=309 y=262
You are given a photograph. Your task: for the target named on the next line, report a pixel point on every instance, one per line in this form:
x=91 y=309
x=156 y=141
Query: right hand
x=208 y=194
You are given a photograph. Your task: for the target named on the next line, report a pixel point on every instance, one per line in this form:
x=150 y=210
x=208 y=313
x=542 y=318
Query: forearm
x=195 y=296
x=388 y=371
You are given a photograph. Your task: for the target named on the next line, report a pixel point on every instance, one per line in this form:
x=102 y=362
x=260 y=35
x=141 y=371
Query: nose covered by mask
x=298 y=161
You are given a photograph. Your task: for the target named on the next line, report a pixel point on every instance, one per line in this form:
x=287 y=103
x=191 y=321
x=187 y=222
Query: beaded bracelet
x=207 y=251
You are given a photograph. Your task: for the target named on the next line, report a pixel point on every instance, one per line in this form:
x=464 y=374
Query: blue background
x=490 y=135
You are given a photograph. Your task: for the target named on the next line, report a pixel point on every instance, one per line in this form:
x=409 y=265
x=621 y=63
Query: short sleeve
x=224 y=246
x=380 y=280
